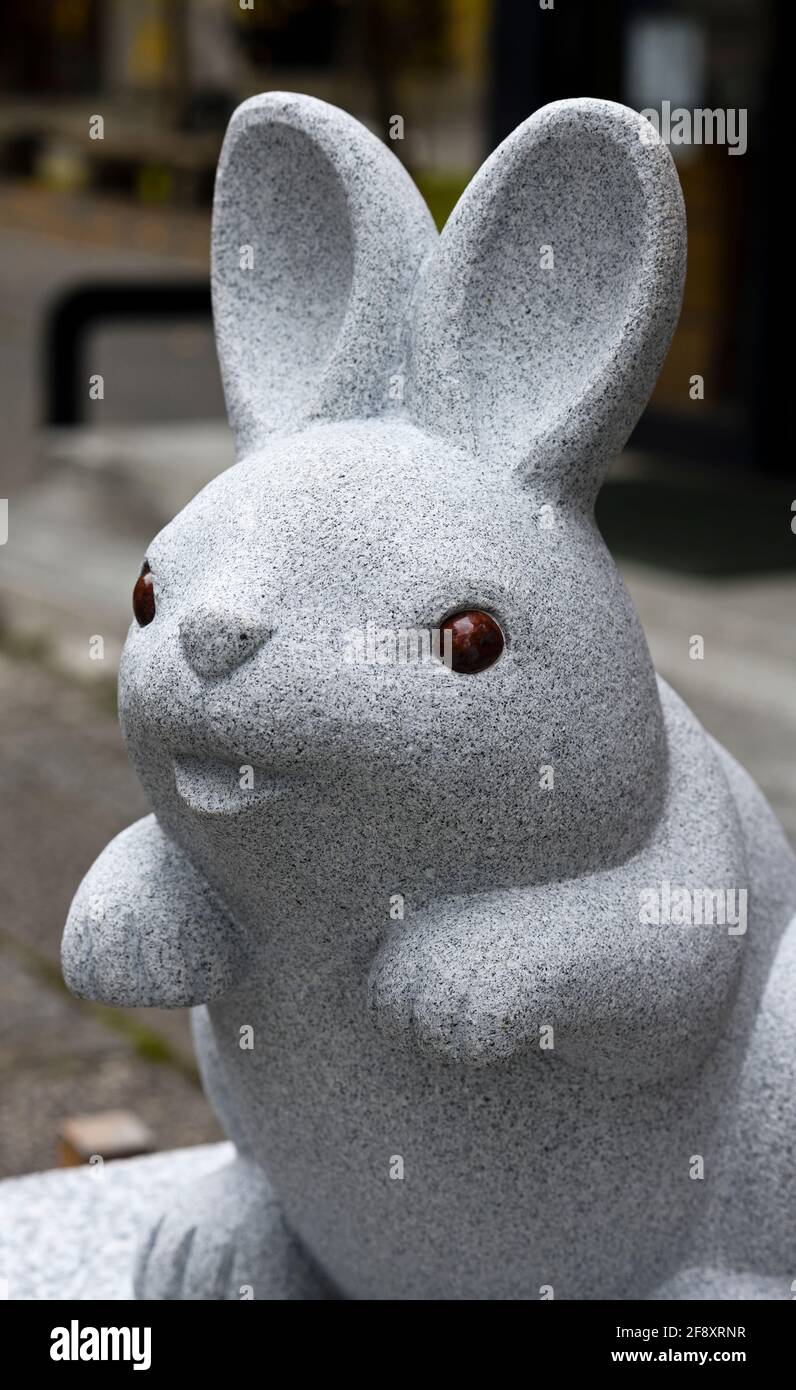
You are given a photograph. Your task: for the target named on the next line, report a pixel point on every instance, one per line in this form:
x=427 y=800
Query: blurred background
x=104 y=271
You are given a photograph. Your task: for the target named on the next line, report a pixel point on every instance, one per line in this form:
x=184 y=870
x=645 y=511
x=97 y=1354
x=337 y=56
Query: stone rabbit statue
x=460 y=1051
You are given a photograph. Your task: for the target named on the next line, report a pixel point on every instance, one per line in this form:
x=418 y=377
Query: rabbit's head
x=423 y=423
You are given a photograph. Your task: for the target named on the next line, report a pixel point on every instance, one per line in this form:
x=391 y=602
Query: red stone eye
x=476 y=640
x=144 y=596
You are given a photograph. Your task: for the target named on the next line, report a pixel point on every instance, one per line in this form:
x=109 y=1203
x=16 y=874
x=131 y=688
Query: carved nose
x=216 y=641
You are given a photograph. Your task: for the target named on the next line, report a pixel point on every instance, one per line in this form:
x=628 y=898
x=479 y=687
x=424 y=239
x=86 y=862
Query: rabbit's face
x=288 y=677
x=423 y=424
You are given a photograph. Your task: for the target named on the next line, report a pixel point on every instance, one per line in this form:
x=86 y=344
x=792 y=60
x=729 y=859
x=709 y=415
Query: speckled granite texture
x=73 y=1233
x=454 y=1060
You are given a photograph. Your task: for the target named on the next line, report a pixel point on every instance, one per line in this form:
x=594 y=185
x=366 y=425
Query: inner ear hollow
x=557 y=325
x=283 y=271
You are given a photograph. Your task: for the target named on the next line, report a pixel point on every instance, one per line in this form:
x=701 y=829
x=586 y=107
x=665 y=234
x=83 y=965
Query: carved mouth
x=220 y=788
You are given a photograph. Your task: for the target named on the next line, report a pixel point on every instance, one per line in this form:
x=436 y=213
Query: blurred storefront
x=461 y=74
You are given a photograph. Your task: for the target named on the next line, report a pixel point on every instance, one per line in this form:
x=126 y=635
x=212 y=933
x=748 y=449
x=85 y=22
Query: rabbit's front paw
x=145 y=929
x=226 y=1240
x=464 y=994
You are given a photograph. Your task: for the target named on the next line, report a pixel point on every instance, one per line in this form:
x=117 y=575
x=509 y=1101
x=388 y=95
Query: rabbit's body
x=455 y=1058
x=516 y=1178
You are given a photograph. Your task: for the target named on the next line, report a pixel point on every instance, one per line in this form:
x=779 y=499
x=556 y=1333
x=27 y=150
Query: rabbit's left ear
x=547 y=308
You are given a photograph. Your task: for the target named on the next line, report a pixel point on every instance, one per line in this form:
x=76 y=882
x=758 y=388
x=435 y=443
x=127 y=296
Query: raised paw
x=464 y=993
x=226 y=1240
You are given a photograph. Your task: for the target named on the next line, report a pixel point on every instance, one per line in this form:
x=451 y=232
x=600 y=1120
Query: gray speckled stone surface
x=422 y=426
x=73 y=1233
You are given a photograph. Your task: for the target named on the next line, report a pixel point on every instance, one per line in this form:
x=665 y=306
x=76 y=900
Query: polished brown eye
x=476 y=640
x=144 y=596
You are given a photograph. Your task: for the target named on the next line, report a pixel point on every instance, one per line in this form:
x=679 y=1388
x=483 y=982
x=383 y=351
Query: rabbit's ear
x=546 y=311
x=318 y=235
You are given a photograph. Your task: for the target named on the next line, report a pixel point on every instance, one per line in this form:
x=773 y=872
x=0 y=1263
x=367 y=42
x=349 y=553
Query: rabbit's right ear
x=318 y=236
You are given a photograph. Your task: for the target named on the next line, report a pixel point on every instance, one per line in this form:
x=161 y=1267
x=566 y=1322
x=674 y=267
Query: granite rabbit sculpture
x=409 y=900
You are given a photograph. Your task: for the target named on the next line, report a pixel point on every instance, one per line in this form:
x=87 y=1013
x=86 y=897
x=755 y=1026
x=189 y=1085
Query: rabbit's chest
x=372 y=1152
